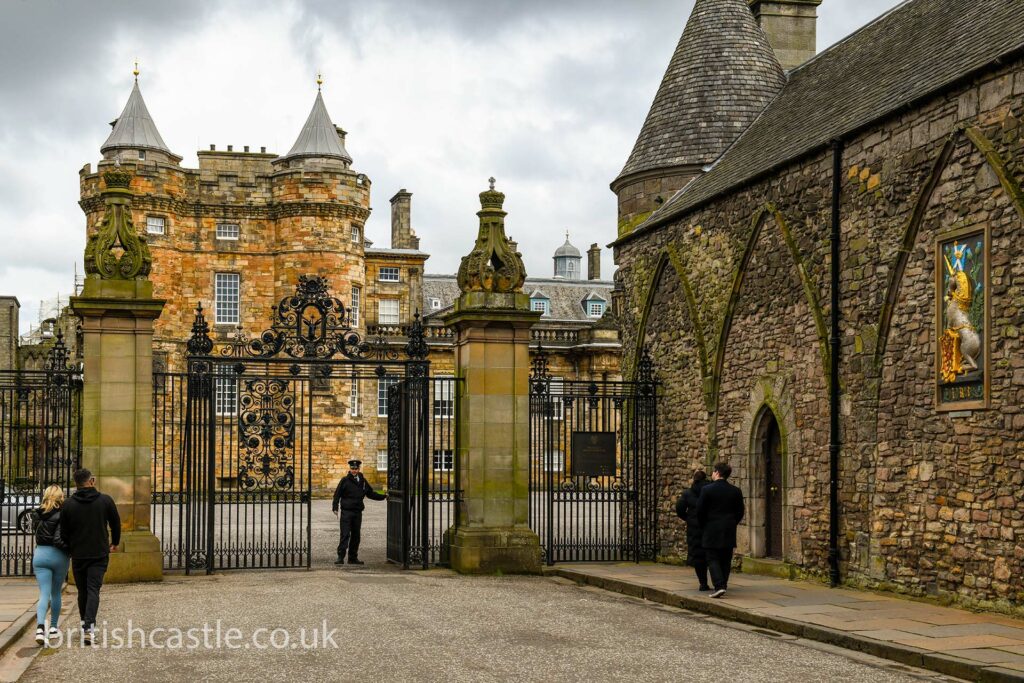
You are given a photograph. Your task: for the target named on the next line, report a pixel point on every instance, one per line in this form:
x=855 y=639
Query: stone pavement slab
x=18 y=598
x=970 y=645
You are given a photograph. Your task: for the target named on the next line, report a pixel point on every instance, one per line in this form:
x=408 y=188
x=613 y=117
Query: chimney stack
x=791 y=27
x=594 y=262
x=402 y=236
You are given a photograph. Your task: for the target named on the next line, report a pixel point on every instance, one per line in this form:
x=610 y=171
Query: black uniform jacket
x=350 y=493
x=719 y=510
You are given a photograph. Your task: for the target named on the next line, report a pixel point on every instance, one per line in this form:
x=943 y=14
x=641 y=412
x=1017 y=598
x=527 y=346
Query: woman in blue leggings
x=49 y=562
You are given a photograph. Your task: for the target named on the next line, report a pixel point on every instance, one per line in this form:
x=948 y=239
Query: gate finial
x=199 y=344
x=417 y=348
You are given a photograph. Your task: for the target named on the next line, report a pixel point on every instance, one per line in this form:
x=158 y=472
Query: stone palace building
x=773 y=193
x=236 y=233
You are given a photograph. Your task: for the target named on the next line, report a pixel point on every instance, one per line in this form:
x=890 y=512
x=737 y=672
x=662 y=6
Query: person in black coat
x=84 y=521
x=719 y=511
x=686 y=508
x=348 y=499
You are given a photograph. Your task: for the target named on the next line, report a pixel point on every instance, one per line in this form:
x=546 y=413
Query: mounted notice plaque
x=593 y=454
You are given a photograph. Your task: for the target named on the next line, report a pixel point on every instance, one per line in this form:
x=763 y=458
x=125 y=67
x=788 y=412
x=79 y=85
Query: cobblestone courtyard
x=395 y=625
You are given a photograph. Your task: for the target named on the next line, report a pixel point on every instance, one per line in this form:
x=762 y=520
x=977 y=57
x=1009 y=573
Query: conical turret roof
x=134 y=128
x=319 y=137
x=722 y=75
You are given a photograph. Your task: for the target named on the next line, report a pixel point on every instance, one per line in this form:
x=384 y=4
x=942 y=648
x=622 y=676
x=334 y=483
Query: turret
x=721 y=76
x=134 y=135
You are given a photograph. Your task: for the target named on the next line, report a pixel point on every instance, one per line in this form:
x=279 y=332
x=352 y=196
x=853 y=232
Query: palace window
x=142 y=155
x=435 y=304
x=353 y=399
x=444 y=396
x=554 y=461
x=383 y=384
x=225 y=393
x=595 y=309
x=387 y=312
x=542 y=306
x=227 y=231
x=444 y=460
x=556 y=387
x=155 y=225
x=388 y=274
x=225 y=290
x=382 y=460
x=356 y=233
x=353 y=311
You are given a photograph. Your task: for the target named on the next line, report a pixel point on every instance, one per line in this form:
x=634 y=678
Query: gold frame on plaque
x=947 y=339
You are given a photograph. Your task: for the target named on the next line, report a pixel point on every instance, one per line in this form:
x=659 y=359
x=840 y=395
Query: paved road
x=395 y=625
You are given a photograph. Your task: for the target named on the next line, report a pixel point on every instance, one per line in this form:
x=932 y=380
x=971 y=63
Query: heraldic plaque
x=593 y=454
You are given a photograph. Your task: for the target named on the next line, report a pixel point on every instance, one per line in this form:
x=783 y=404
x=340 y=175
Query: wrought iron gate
x=423 y=480
x=232 y=476
x=593 y=465
x=40 y=445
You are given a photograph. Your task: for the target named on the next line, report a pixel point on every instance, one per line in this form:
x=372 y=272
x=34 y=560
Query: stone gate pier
x=492 y=320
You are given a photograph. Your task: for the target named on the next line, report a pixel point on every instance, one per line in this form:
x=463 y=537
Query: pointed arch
x=648 y=296
x=760 y=217
x=694 y=311
x=998 y=165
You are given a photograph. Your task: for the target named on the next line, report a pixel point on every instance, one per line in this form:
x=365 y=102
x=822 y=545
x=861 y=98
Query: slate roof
x=134 y=128
x=911 y=52
x=318 y=137
x=720 y=78
x=566 y=296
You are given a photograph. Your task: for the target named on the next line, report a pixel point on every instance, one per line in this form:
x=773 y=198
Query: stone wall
x=733 y=299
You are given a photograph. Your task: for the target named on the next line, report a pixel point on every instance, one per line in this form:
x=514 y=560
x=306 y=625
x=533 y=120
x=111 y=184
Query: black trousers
x=720 y=565
x=89 y=579
x=351 y=523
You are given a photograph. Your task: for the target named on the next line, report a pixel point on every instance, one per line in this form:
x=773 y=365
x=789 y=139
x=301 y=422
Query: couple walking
x=712 y=511
x=74 y=529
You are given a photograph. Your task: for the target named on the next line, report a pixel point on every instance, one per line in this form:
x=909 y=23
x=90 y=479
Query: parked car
x=16 y=508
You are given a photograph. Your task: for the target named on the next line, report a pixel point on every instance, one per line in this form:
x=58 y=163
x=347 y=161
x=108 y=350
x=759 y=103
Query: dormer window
x=542 y=306
x=435 y=304
x=595 y=309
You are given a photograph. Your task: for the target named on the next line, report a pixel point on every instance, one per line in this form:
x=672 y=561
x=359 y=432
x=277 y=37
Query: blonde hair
x=53 y=497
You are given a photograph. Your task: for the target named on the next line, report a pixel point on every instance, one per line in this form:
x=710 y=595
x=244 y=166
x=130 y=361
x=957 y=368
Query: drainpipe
x=833 y=399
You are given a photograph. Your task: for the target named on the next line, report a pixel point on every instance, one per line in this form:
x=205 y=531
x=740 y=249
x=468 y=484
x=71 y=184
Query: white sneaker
x=53 y=632
x=718 y=593
x=87 y=635
x=40 y=635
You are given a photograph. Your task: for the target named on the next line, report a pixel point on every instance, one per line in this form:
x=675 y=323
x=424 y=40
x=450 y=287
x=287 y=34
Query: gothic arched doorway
x=770 y=466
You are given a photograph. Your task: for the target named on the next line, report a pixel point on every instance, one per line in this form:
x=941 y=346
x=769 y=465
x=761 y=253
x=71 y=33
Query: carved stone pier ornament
x=493 y=266
x=115 y=251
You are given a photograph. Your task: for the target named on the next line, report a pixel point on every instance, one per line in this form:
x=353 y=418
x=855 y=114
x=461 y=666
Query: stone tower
x=322 y=205
x=236 y=233
x=721 y=76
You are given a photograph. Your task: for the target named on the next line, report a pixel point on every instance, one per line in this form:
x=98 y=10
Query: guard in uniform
x=348 y=499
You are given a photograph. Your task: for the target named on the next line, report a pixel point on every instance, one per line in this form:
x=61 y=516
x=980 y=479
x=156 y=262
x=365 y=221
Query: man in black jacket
x=348 y=497
x=719 y=510
x=83 y=525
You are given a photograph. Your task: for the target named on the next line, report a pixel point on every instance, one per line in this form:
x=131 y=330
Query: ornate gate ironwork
x=594 y=505
x=40 y=445
x=423 y=484
x=233 y=474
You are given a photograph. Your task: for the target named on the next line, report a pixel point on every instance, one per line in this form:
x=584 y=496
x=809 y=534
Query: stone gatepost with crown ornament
x=117 y=310
x=492 y=321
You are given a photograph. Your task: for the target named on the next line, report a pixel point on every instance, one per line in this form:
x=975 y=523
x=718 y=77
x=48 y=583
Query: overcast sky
x=437 y=95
